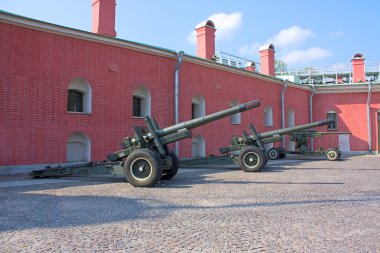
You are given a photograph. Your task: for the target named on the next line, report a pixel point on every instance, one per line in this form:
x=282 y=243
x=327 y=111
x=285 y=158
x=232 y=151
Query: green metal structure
x=145 y=158
x=249 y=151
x=301 y=138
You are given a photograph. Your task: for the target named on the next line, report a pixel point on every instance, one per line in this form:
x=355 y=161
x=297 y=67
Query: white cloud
x=252 y=49
x=226 y=26
x=191 y=37
x=306 y=56
x=292 y=36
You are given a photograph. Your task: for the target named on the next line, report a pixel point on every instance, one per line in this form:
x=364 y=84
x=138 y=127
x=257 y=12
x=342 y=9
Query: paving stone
x=295 y=206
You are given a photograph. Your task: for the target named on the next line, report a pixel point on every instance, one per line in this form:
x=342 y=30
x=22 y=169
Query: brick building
x=71 y=95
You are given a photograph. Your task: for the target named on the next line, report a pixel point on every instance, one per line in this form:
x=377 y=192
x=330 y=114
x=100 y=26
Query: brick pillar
x=358 y=70
x=206 y=40
x=103 y=17
x=267 y=60
x=251 y=66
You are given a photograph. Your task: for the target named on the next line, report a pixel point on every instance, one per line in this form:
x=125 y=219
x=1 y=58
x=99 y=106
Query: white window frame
x=268 y=116
x=145 y=97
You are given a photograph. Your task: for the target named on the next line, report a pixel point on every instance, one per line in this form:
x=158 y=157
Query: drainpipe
x=369 y=117
x=311 y=114
x=176 y=83
x=283 y=111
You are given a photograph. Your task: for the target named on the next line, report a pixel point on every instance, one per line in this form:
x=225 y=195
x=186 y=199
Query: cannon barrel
x=294 y=129
x=324 y=133
x=208 y=118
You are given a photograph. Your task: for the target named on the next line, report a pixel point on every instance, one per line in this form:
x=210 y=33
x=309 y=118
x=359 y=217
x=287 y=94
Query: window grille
x=332 y=125
x=137 y=110
x=193 y=109
x=75 y=101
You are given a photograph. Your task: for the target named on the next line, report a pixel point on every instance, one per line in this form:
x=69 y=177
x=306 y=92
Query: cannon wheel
x=332 y=154
x=252 y=159
x=169 y=174
x=273 y=154
x=143 y=168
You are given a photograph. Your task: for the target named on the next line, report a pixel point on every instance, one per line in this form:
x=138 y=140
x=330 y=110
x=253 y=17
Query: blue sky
x=304 y=33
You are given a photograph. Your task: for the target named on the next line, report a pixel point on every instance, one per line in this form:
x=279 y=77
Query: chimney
x=206 y=40
x=103 y=17
x=358 y=71
x=251 y=66
x=267 y=60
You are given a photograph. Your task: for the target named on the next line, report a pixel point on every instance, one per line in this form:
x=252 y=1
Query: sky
x=303 y=32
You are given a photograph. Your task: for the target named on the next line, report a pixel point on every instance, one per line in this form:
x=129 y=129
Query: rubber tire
x=273 y=154
x=152 y=159
x=256 y=153
x=332 y=154
x=169 y=174
x=282 y=152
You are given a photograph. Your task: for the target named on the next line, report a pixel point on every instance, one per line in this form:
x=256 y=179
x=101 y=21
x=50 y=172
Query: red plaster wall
x=103 y=17
x=358 y=70
x=267 y=62
x=352 y=117
x=205 y=42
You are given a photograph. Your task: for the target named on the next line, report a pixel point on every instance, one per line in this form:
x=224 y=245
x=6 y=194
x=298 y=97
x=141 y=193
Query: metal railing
x=329 y=74
x=311 y=75
x=235 y=61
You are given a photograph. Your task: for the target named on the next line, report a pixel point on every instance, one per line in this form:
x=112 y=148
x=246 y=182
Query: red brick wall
x=36 y=68
x=219 y=88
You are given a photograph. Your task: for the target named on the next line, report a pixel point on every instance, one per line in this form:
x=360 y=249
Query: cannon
x=249 y=152
x=301 y=139
x=145 y=158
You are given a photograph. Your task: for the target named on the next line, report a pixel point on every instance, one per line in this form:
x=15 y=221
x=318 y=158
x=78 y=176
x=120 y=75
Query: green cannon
x=301 y=139
x=249 y=152
x=145 y=158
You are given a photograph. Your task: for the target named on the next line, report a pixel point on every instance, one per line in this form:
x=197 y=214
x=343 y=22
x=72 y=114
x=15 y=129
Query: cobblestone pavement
x=300 y=206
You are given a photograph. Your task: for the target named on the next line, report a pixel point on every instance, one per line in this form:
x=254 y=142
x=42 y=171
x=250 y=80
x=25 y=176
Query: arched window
x=141 y=103
x=78 y=148
x=332 y=115
x=79 y=96
x=235 y=118
x=268 y=117
x=197 y=107
x=198 y=146
x=291 y=118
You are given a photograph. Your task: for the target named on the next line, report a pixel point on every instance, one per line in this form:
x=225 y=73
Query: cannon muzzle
x=294 y=129
x=209 y=118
